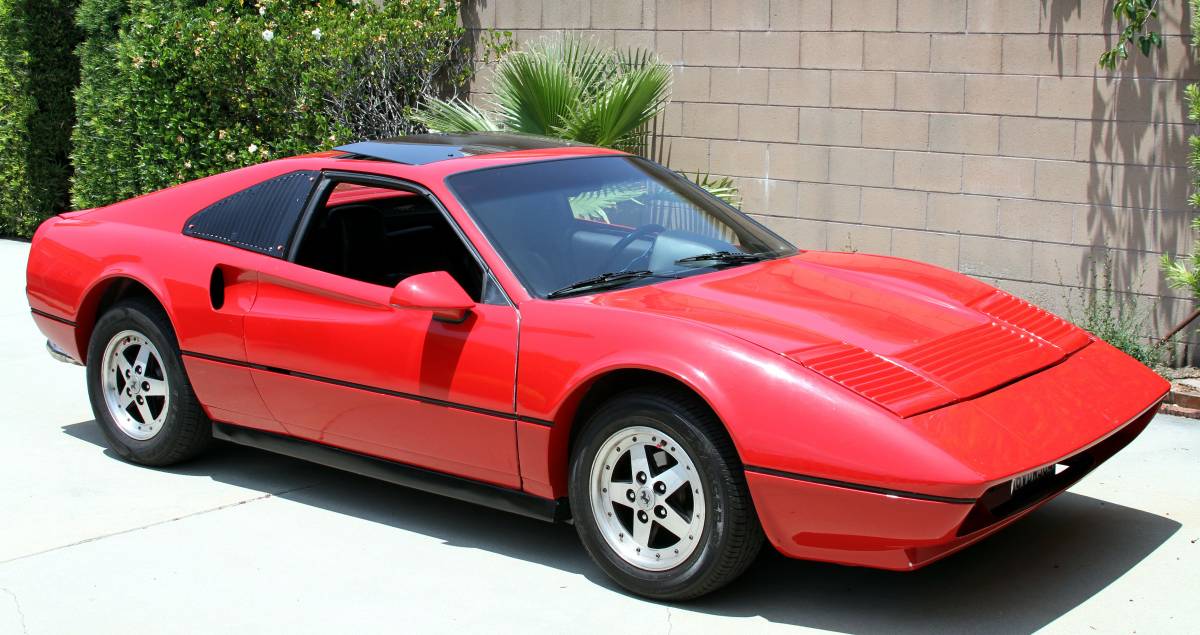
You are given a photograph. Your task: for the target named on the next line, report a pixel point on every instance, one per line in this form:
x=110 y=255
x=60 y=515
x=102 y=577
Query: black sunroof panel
x=428 y=148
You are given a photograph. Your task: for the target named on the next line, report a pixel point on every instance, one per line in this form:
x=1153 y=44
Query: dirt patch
x=1184 y=399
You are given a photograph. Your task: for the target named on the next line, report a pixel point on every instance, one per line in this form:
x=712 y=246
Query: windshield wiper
x=611 y=279
x=723 y=257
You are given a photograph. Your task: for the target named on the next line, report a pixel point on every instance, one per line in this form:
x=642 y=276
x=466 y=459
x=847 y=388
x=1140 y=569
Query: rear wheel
x=658 y=496
x=139 y=391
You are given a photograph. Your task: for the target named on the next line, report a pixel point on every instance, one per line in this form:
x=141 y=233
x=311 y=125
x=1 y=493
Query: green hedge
x=174 y=90
x=38 y=71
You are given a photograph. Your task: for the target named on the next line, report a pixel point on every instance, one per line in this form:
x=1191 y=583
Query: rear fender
x=94 y=296
x=72 y=265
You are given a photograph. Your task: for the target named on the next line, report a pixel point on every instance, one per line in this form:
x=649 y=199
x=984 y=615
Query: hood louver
x=886 y=383
x=1034 y=320
x=1020 y=339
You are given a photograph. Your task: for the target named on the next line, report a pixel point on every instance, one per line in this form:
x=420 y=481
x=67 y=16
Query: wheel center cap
x=644 y=498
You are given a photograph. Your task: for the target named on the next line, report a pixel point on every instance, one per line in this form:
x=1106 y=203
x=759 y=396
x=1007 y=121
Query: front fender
x=779 y=415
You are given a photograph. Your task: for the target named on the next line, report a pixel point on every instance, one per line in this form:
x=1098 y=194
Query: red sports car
x=574 y=333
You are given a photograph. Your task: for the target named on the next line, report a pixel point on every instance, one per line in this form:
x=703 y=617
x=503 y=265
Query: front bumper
x=817 y=521
x=1069 y=418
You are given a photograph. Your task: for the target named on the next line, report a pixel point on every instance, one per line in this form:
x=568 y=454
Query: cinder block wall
x=974 y=134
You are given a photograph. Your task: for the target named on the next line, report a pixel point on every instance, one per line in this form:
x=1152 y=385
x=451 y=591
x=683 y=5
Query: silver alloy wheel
x=134 y=382
x=647 y=498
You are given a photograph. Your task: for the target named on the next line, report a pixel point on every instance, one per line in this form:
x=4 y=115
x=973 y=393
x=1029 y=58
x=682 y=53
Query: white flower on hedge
x=316 y=33
x=253 y=148
x=268 y=35
x=262 y=10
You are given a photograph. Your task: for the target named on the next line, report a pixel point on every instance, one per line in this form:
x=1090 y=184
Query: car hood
x=908 y=336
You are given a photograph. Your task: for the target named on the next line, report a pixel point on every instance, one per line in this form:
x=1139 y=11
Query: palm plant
x=568 y=88
x=571 y=88
x=721 y=187
x=1184 y=272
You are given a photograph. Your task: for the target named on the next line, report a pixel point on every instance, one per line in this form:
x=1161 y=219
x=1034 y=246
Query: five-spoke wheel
x=135 y=385
x=658 y=494
x=647 y=499
x=139 y=390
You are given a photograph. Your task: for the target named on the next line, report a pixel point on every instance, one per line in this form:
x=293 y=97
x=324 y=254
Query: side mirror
x=435 y=291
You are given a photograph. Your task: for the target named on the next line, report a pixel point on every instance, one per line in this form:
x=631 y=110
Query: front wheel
x=139 y=391
x=659 y=498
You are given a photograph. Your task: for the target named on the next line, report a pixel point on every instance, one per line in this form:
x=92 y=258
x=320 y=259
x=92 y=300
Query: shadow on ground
x=1016 y=581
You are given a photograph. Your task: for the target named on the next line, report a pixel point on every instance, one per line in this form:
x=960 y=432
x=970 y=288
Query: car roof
x=422 y=149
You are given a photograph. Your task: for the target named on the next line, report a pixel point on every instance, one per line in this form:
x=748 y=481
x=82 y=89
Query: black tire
x=731 y=535
x=186 y=431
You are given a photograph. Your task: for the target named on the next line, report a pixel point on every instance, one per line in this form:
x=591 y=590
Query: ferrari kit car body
x=452 y=313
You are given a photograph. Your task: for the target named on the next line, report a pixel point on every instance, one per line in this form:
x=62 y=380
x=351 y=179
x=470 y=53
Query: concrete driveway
x=248 y=542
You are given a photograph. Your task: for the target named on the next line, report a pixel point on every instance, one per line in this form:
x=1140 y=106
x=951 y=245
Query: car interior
x=550 y=246
x=382 y=236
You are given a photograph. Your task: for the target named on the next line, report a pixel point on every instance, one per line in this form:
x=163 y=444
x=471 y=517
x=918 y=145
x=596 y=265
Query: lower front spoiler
x=819 y=521
x=60 y=355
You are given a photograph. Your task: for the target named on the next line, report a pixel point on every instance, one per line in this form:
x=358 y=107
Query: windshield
x=562 y=225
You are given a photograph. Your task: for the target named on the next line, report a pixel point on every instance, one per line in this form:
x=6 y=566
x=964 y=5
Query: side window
x=382 y=235
x=259 y=218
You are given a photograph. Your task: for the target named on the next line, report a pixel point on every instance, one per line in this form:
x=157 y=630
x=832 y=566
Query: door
x=218 y=285
x=212 y=343
x=337 y=364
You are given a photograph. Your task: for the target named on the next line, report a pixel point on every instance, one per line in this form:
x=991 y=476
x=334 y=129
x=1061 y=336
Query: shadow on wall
x=469 y=11
x=1137 y=180
x=474 y=14
x=1017 y=581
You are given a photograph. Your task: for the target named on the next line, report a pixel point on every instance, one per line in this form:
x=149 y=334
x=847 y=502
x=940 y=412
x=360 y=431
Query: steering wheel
x=614 y=252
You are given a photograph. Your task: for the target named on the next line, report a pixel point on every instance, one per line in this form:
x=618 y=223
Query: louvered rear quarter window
x=259 y=218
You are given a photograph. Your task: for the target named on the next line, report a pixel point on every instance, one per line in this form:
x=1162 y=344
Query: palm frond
x=1182 y=272
x=636 y=58
x=590 y=65
x=454 y=115
x=535 y=91
x=630 y=101
x=721 y=187
x=594 y=205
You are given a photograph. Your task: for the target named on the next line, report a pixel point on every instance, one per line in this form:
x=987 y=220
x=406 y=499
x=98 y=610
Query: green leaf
x=594 y=205
x=454 y=115
x=721 y=187
x=627 y=103
x=535 y=91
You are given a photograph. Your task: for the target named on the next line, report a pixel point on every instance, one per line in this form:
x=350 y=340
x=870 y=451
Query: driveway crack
x=161 y=522
x=17 y=604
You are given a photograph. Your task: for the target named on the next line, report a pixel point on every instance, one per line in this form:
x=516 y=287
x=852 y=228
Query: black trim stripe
x=381 y=391
x=539 y=422
x=862 y=488
x=462 y=488
x=50 y=316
